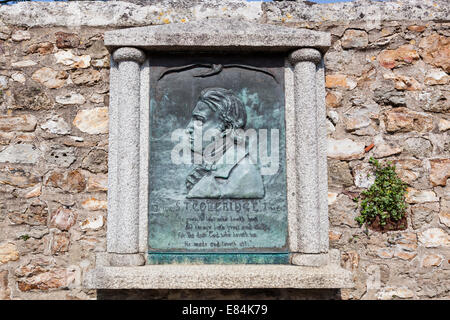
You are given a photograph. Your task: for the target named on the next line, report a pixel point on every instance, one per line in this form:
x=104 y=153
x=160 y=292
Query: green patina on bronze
x=218 y=258
x=217 y=211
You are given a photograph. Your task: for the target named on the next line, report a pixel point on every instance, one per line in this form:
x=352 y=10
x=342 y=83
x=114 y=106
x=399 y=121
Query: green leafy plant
x=385 y=198
x=24 y=237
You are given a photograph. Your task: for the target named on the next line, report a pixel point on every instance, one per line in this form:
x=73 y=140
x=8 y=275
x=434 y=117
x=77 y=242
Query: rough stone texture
x=217 y=277
x=402 y=69
x=50 y=78
x=93 y=121
x=8 y=252
x=20 y=153
x=217 y=34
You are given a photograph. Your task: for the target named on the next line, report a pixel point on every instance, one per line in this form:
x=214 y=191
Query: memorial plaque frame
x=312 y=264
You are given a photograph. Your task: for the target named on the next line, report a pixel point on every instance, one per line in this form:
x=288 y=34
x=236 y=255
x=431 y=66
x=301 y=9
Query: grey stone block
x=217 y=35
x=218 y=277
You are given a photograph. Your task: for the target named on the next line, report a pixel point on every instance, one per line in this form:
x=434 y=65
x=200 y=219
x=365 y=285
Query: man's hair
x=231 y=109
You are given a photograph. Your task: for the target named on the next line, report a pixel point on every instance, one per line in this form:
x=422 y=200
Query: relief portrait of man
x=229 y=173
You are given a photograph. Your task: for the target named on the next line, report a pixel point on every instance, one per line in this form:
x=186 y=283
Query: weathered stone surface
x=92 y=223
x=26 y=122
x=355 y=39
x=67 y=58
x=432 y=260
x=5 y=32
x=20 y=35
x=20 y=153
x=99 y=13
x=404 y=120
x=343 y=212
x=34 y=192
x=409 y=170
x=56 y=125
x=350 y=260
x=96 y=161
x=50 y=78
x=421 y=214
x=59 y=243
x=434 y=100
x=40 y=274
x=6 y=137
x=18 y=77
x=393 y=293
x=23 y=64
x=3 y=82
x=363 y=175
x=418 y=147
x=63 y=218
x=386 y=149
x=440 y=171
x=85 y=77
x=61 y=156
x=443 y=125
x=5 y=292
x=332 y=197
x=434 y=237
x=333 y=115
x=334 y=236
x=405 y=54
x=444 y=213
x=71 y=98
x=101 y=63
x=403 y=82
x=31 y=97
x=72 y=181
x=35 y=215
x=436 y=77
x=387 y=96
x=219 y=277
x=345 y=149
x=41 y=48
x=420 y=196
x=333 y=99
x=97 y=98
x=339 y=173
x=204 y=35
x=8 y=252
x=18 y=178
x=436 y=51
x=415 y=28
x=356 y=122
x=339 y=81
x=385 y=253
x=330 y=127
x=98 y=182
x=92 y=121
x=405 y=255
x=66 y=40
x=94 y=204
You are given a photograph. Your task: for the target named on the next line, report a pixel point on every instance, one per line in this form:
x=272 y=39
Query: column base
x=316 y=259
x=107 y=259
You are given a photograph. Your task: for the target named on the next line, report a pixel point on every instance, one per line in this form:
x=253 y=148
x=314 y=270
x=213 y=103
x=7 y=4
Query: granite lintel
x=219 y=277
x=218 y=35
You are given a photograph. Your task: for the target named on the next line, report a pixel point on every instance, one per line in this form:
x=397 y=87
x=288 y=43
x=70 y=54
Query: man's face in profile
x=203 y=120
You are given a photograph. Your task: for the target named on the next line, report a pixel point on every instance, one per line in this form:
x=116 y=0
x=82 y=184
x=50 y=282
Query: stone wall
x=387 y=97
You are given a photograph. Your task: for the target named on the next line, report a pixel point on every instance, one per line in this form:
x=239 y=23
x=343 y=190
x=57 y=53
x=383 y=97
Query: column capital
x=129 y=54
x=305 y=54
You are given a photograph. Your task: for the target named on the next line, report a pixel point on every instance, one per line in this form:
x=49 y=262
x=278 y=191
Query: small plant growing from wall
x=383 y=205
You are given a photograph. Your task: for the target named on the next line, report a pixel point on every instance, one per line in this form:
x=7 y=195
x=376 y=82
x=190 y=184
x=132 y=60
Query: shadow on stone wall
x=224 y=294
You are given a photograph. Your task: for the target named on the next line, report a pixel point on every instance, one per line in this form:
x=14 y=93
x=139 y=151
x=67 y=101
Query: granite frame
x=122 y=266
